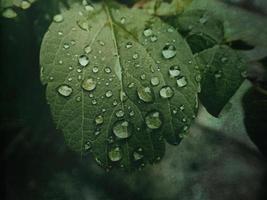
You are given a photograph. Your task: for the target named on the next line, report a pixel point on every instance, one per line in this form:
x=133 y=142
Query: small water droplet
x=166 y=92
x=123 y=96
x=123 y=20
x=64 y=90
x=224 y=59
x=121 y=129
x=87 y=49
x=109 y=94
x=137 y=156
x=145 y=94
x=66 y=45
x=99 y=120
x=89 y=84
x=181 y=82
x=131 y=85
x=87 y=146
x=153 y=120
x=155 y=81
x=129 y=45
x=143 y=77
x=120 y=113
x=83 y=60
x=169 y=51
x=148 y=32
x=153 y=38
x=174 y=71
x=95 y=69
x=94 y=102
x=115 y=154
x=58 y=18
x=107 y=70
x=135 y=56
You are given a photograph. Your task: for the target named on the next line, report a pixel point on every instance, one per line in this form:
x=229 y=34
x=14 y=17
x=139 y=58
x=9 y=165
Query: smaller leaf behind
x=201 y=29
x=222 y=74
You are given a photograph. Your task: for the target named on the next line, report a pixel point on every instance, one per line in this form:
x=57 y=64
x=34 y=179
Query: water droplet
x=94 y=102
x=153 y=38
x=135 y=56
x=99 y=120
x=78 y=99
x=87 y=146
x=131 y=85
x=109 y=94
x=174 y=71
x=120 y=113
x=115 y=154
x=60 y=33
x=64 y=90
x=203 y=19
x=169 y=51
x=89 y=8
x=83 y=24
x=123 y=19
x=58 y=18
x=89 y=84
x=218 y=74
x=83 y=60
x=9 y=13
x=166 y=92
x=143 y=77
x=148 y=32
x=87 y=49
x=95 y=69
x=137 y=156
x=145 y=94
x=66 y=45
x=155 y=81
x=181 y=82
x=121 y=129
x=153 y=120
x=131 y=113
x=107 y=70
x=224 y=59
x=129 y=45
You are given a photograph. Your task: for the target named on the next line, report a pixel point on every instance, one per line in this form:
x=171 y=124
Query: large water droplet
x=166 y=92
x=64 y=90
x=153 y=120
x=145 y=94
x=169 y=51
x=89 y=84
x=122 y=130
x=181 y=82
x=115 y=154
x=174 y=71
x=83 y=60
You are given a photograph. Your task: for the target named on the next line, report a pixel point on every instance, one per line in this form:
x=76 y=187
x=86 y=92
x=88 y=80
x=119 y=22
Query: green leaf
x=222 y=74
x=119 y=81
x=201 y=29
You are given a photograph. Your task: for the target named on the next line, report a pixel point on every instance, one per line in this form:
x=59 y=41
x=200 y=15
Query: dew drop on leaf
x=89 y=84
x=120 y=113
x=153 y=120
x=58 y=18
x=83 y=60
x=109 y=94
x=121 y=129
x=166 y=92
x=64 y=90
x=87 y=49
x=137 y=156
x=174 y=71
x=145 y=94
x=181 y=82
x=155 y=81
x=115 y=154
x=148 y=32
x=169 y=51
x=99 y=120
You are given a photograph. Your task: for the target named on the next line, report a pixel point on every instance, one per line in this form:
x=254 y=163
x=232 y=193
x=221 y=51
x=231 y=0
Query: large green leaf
x=119 y=81
x=222 y=74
